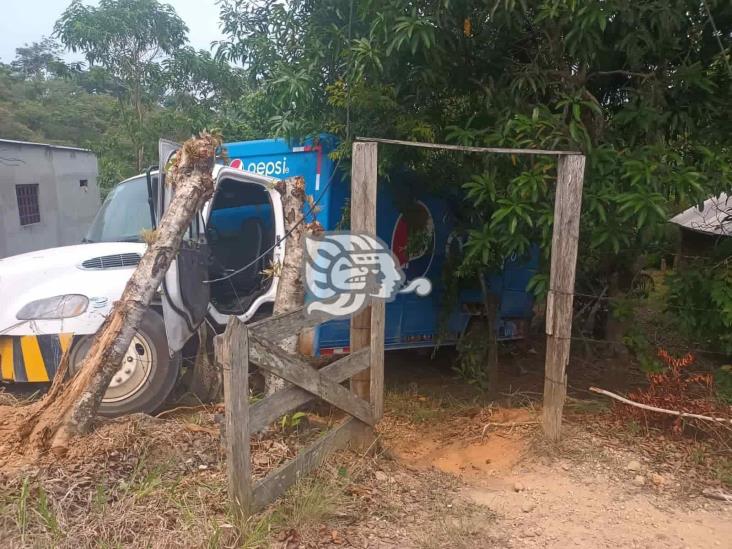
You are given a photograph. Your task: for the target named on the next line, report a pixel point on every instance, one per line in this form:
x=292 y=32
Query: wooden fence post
x=377 y=358
x=367 y=327
x=232 y=353
x=565 y=236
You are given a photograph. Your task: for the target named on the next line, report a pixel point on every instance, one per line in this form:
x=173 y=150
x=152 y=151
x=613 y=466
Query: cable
x=623 y=298
x=287 y=234
x=348 y=84
x=654 y=343
x=598 y=254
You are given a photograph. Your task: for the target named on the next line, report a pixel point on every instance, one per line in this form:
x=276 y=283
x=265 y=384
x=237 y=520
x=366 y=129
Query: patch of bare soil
x=445 y=448
x=504 y=487
x=593 y=490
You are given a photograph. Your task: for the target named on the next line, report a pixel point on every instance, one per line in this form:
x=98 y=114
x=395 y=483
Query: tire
x=144 y=386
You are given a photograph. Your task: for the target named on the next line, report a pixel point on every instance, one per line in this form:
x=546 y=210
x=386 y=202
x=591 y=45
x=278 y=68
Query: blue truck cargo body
x=411 y=321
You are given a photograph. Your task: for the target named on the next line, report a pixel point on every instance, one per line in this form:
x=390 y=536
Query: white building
x=48 y=195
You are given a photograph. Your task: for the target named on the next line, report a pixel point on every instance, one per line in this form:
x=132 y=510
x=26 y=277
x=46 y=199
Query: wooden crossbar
x=463 y=148
x=264 y=412
x=295 y=370
x=281 y=326
x=278 y=481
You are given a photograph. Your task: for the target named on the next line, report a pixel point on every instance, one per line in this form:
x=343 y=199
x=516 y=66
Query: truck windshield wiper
x=131 y=238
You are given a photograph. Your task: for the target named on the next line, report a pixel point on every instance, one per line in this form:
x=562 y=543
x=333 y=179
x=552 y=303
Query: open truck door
x=245 y=232
x=185 y=294
x=224 y=266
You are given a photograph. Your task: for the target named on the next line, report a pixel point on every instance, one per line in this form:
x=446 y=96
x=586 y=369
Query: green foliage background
x=644 y=89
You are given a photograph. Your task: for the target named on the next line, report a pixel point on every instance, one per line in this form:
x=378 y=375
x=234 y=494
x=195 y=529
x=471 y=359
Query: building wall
x=66 y=207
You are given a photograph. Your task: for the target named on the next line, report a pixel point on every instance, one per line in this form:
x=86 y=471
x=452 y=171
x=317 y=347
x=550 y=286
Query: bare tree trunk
x=614 y=326
x=64 y=412
x=140 y=158
x=290 y=290
x=490 y=303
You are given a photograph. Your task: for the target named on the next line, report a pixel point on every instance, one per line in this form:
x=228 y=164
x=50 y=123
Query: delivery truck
x=55 y=300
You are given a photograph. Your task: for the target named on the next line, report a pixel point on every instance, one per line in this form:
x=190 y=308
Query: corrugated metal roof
x=714 y=217
x=31 y=144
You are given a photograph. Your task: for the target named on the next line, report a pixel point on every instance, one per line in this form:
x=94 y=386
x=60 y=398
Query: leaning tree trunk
x=71 y=409
x=290 y=290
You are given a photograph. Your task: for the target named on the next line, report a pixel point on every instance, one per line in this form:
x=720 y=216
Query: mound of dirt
x=466 y=445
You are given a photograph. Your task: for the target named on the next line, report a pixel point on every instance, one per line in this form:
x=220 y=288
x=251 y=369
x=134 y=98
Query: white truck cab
x=55 y=300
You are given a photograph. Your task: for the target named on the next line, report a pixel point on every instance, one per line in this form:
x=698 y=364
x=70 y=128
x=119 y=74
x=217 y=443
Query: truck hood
x=98 y=271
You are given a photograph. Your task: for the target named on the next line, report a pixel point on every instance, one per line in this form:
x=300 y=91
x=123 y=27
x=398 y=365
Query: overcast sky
x=26 y=21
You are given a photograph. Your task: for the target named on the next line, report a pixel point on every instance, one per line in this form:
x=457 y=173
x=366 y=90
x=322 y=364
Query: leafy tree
x=61 y=111
x=703 y=290
x=137 y=85
x=200 y=93
x=129 y=38
x=641 y=88
x=39 y=60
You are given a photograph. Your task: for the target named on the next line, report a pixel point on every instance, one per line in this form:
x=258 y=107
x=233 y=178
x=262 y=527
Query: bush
x=700 y=296
x=723 y=383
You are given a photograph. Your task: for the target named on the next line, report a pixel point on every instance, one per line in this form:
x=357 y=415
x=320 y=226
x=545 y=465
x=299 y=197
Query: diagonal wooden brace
x=267 y=410
x=295 y=370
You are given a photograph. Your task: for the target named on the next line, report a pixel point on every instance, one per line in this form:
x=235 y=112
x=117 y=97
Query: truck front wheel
x=148 y=372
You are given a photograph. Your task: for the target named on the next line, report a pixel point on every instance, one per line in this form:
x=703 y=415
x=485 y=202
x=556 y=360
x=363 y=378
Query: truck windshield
x=124 y=214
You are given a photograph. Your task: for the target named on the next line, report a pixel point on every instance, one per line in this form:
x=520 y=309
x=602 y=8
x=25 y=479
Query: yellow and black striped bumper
x=31 y=358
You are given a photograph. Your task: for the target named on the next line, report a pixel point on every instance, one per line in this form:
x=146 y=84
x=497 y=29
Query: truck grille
x=112 y=261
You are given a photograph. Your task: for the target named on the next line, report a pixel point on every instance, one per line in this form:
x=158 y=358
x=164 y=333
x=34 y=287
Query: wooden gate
x=256 y=343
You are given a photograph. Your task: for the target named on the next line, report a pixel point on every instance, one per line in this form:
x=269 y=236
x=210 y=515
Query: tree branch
x=659 y=410
x=622 y=72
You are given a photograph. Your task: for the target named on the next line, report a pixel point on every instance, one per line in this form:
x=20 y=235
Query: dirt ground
x=452 y=469
x=511 y=491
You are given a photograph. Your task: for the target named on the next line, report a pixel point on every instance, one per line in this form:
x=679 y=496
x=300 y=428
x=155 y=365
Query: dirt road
x=505 y=489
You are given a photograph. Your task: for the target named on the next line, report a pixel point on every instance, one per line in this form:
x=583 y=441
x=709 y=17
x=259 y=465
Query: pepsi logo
x=413 y=241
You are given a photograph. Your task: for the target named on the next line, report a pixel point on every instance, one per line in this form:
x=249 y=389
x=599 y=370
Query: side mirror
x=151 y=195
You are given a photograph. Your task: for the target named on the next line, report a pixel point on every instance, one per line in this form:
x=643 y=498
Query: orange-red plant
x=674 y=388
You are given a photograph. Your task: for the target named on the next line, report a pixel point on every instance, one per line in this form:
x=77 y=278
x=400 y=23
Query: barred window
x=28 y=207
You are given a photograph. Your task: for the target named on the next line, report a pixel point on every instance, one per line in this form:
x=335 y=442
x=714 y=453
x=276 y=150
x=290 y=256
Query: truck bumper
x=32 y=358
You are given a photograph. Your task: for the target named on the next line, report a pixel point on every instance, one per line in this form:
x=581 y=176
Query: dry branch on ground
x=678 y=413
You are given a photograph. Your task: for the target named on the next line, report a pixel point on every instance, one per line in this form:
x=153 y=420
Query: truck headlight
x=56 y=307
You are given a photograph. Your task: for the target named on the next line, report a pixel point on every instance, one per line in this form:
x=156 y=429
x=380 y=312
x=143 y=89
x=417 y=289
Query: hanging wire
x=348 y=84
x=602 y=297
x=653 y=343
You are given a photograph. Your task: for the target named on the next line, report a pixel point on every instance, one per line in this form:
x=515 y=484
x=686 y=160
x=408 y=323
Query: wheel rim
x=135 y=371
x=137 y=365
